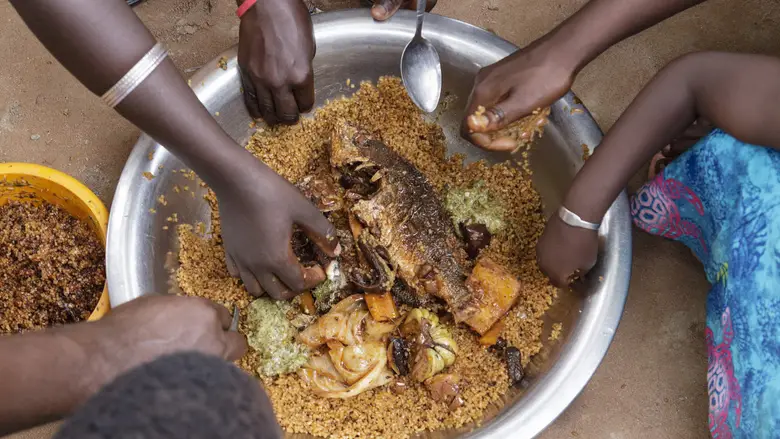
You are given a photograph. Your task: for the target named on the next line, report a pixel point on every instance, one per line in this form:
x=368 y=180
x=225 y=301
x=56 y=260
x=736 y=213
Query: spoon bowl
x=421 y=68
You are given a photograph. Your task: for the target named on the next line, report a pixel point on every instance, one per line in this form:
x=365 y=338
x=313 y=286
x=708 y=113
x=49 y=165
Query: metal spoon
x=420 y=68
x=236 y=318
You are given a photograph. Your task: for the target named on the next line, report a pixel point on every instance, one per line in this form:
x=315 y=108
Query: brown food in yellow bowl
x=52 y=249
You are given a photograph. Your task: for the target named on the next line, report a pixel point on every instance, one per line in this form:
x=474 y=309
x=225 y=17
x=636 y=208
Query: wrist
x=563 y=49
x=234 y=169
x=574 y=220
x=587 y=208
x=244 y=7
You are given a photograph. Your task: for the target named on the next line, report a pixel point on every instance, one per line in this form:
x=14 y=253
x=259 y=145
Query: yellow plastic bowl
x=30 y=183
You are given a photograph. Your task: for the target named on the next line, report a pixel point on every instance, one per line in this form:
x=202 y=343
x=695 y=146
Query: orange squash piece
x=496 y=291
x=307 y=303
x=490 y=337
x=354 y=226
x=381 y=306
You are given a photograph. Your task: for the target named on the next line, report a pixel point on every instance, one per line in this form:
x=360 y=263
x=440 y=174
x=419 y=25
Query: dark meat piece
x=357 y=181
x=402 y=294
x=398 y=355
x=476 y=236
x=305 y=250
x=499 y=348
x=406 y=217
x=513 y=366
x=444 y=388
x=382 y=276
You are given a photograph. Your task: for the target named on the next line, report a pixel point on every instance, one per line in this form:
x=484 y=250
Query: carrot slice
x=381 y=306
x=490 y=337
x=307 y=303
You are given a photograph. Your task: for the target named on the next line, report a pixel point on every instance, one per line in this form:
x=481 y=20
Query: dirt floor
x=652 y=382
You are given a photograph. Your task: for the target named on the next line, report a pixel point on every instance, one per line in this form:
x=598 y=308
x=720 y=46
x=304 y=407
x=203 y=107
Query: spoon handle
x=421 y=4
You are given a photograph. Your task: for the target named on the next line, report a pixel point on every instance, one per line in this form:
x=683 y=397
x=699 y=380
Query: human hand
x=512 y=88
x=384 y=9
x=257 y=215
x=565 y=253
x=152 y=326
x=275 y=51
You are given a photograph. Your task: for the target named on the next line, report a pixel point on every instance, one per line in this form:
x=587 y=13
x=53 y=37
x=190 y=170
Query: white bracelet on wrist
x=135 y=76
x=574 y=220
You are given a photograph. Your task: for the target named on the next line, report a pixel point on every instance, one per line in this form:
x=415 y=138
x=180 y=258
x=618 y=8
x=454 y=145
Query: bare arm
x=736 y=92
x=45 y=375
x=600 y=24
x=99 y=42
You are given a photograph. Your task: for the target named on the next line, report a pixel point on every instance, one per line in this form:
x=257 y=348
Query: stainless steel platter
x=351 y=45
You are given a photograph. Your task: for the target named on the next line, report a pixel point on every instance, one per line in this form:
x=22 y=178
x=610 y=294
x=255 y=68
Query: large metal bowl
x=351 y=45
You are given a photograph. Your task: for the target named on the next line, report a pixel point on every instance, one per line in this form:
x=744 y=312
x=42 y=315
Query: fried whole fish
x=402 y=228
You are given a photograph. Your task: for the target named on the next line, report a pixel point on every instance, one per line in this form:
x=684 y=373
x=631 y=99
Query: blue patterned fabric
x=721 y=198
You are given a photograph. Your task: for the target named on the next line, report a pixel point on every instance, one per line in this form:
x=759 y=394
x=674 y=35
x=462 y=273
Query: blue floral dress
x=721 y=198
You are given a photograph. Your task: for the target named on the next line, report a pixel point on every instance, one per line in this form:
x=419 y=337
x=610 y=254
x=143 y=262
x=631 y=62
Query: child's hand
x=512 y=88
x=565 y=253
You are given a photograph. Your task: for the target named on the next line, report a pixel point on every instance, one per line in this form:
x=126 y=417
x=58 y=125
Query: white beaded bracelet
x=574 y=220
x=135 y=76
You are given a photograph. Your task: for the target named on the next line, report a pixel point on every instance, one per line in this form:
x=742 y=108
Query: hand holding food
x=275 y=50
x=519 y=88
x=258 y=211
x=152 y=326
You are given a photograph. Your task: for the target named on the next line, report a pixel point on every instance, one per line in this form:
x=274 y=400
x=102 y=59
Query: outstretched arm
x=601 y=24
x=45 y=375
x=541 y=73
x=736 y=92
x=99 y=42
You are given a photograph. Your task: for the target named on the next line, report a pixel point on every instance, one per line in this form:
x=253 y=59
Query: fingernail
x=379 y=12
x=337 y=250
x=503 y=143
x=481 y=140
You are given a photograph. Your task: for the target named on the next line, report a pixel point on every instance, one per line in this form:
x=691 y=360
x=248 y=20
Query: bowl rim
x=97 y=211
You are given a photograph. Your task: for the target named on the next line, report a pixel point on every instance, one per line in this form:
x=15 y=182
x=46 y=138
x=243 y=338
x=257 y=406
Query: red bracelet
x=245 y=7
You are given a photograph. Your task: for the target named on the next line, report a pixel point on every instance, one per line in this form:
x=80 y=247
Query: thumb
x=384 y=9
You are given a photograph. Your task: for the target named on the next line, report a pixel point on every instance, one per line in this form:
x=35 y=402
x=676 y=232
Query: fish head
x=347 y=144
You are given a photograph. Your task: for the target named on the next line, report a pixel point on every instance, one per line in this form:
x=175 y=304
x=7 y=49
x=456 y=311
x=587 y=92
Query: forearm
x=98 y=42
x=738 y=93
x=601 y=24
x=43 y=376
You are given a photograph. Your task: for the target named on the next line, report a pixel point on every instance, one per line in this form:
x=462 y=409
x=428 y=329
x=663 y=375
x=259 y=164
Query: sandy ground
x=652 y=382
